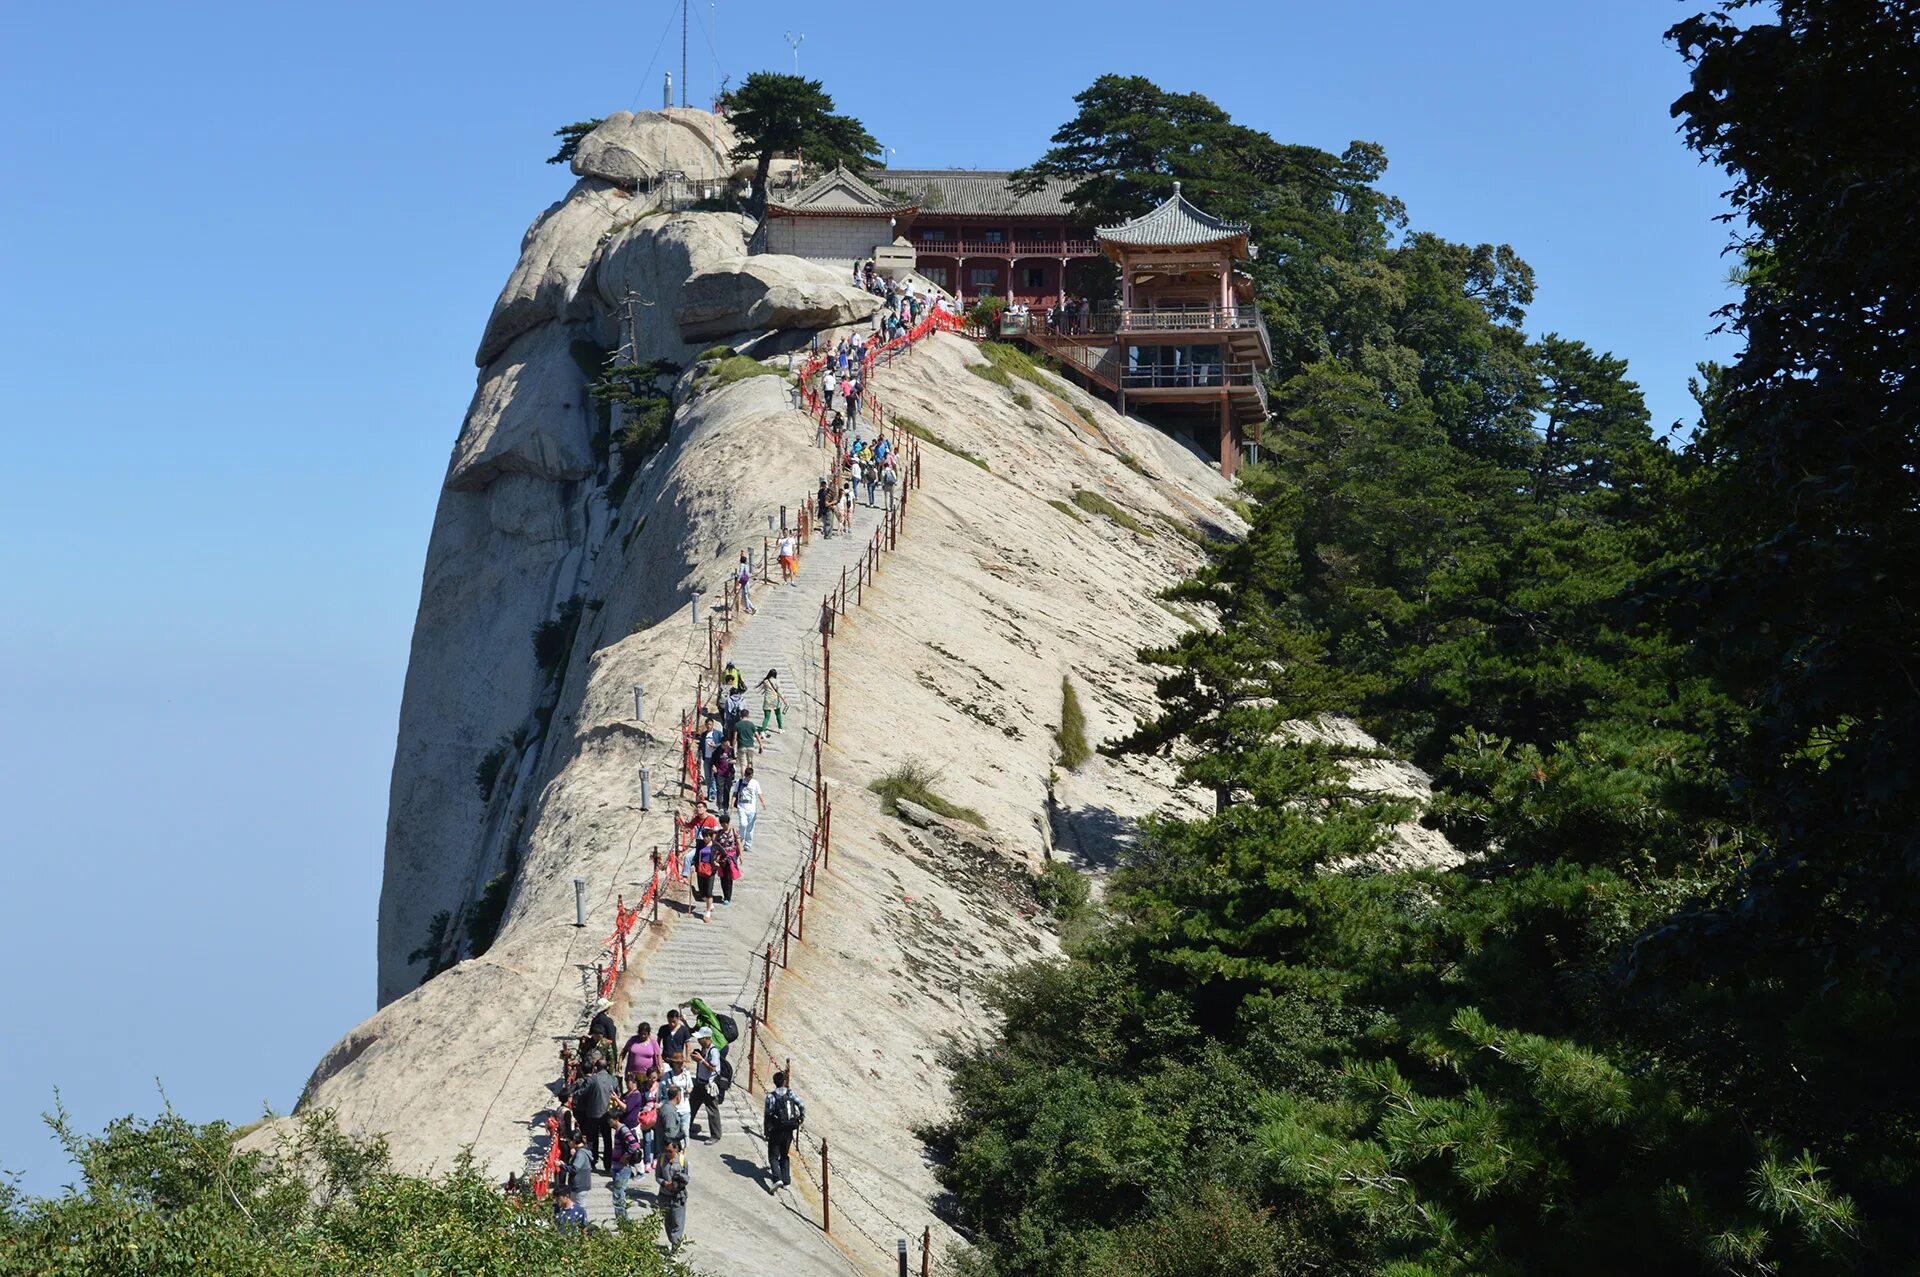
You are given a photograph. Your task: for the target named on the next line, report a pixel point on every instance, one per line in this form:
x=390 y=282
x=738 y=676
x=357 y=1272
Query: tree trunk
x=758 y=196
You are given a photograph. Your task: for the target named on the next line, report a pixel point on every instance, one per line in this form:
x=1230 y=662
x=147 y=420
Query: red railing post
x=753 y=1051
x=926 y=1251
x=766 y=987
x=803 y=905
x=786 y=924
x=826 y=1190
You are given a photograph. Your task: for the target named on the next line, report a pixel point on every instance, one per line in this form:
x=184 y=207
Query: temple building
x=966 y=230
x=1185 y=346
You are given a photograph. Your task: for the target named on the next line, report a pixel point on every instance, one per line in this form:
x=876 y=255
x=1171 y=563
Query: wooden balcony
x=1239 y=327
x=1007 y=248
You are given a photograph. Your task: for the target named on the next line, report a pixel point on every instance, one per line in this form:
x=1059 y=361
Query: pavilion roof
x=1176 y=223
x=838 y=193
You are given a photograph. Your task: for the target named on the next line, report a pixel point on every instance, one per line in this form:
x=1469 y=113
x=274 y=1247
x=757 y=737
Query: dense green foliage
x=170 y=1197
x=775 y=114
x=571 y=135
x=1655 y=1024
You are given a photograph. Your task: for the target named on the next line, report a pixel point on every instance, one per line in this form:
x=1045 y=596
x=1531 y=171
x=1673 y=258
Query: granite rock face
x=554 y=256
x=634 y=150
x=769 y=291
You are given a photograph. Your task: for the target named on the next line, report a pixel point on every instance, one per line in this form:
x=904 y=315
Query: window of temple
x=1036 y=277
x=983 y=278
x=994 y=237
x=937 y=236
x=938 y=274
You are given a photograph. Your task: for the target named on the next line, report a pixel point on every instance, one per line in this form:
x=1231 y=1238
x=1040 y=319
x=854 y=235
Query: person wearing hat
x=706 y=1082
x=603 y=1025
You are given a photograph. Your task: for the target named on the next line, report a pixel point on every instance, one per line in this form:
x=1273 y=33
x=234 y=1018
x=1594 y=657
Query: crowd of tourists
x=633 y=1109
x=630 y=1111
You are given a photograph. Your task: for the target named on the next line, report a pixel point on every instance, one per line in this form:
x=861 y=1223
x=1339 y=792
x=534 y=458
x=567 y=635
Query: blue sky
x=245 y=254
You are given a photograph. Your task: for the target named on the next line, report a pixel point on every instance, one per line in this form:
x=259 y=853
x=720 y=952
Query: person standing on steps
x=592 y=1096
x=580 y=1179
x=746 y=801
x=789 y=558
x=641 y=1052
x=706 y=1083
x=603 y=1026
x=772 y=702
x=889 y=480
x=627 y=1155
x=743 y=577
x=676 y=1115
x=723 y=776
x=675 y=1033
x=783 y=1118
x=872 y=476
x=671 y=1173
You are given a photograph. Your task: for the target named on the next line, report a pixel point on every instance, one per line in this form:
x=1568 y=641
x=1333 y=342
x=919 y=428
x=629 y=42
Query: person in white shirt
x=746 y=801
x=706 y=1082
x=789 y=550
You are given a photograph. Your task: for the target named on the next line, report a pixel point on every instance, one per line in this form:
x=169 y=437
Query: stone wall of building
x=833 y=241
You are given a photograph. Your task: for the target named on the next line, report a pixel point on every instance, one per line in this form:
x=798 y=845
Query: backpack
x=729 y=1027
x=723 y=1081
x=786 y=1115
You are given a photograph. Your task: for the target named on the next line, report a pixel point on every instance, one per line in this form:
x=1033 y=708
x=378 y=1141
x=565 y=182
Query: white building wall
x=832 y=241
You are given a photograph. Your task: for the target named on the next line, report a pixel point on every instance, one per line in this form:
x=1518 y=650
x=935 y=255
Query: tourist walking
x=789 y=556
x=872 y=476
x=671 y=1174
x=783 y=1118
x=705 y=860
x=772 y=702
x=746 y=801
x=603 y=1026
x=826 y=503
x=726 y=849
x=889 y=480
x=746 y=740
x=743 y=577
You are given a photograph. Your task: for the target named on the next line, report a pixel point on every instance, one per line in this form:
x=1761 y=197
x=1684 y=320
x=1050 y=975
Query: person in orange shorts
x=789 y=547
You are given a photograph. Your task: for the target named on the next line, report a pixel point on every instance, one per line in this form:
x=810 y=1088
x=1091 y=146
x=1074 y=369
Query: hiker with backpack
x=784 y=1116
x=889 y=480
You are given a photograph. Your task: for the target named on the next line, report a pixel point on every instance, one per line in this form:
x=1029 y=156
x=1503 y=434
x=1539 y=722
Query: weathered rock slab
x=768 y=291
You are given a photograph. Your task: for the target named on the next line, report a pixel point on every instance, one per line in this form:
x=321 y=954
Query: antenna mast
x=795 y=40
x=683 y=52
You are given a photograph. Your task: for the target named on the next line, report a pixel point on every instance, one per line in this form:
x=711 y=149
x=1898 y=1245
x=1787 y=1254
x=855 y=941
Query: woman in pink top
x=643 y=1052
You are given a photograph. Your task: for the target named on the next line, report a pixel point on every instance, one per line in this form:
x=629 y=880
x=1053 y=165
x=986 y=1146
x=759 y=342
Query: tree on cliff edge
x=776 y=114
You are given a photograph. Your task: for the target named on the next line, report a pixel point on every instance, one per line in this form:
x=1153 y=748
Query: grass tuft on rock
x=924 y=435
x=914 y=781
x=715 y=352
x=738 y=368
x=1095 y=503
x=1071 y=736
x=1066 y=509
